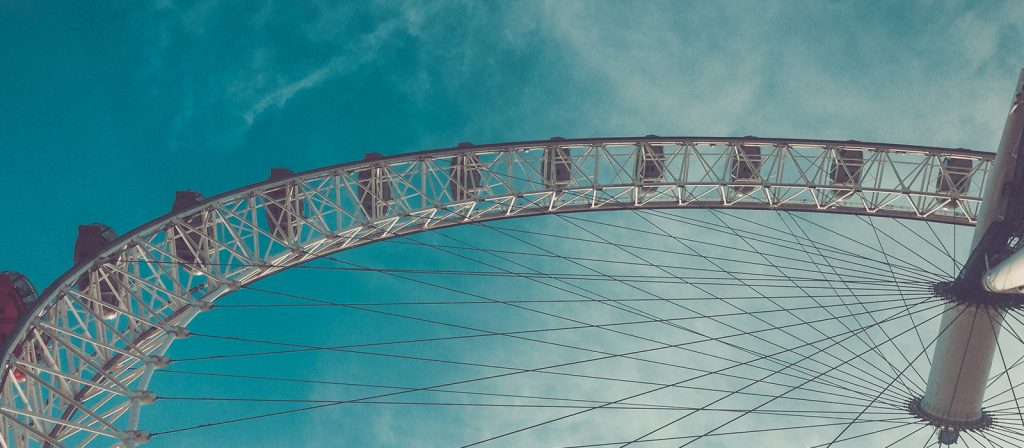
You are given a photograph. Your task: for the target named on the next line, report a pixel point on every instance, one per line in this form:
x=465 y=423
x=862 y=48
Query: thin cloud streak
x=279 y=97
x=359 y=54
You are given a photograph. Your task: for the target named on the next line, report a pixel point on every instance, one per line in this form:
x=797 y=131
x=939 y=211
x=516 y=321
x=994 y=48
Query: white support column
x=966 y=345
x=960 y=366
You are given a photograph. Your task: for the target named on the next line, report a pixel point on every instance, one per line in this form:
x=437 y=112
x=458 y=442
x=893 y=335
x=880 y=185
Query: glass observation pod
x=105 y=285
x=284 y=208
x=374 y=189
x=465 y=175
x=16 y=293
x=557 y=170
x=846 y=168
x=650 y=164
x=745 y=168
x=192 y=238
x=954 y=179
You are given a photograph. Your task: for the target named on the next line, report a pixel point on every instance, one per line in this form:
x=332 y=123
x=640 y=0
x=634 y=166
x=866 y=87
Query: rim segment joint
x=143 y=396
x=178 y=332
x=135 y=437
x=158 y=361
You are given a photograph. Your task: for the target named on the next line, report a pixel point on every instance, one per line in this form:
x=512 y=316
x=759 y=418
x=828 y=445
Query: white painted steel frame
x=86 y=377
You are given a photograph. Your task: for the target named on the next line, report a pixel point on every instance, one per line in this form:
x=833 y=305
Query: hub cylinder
x=966 y=343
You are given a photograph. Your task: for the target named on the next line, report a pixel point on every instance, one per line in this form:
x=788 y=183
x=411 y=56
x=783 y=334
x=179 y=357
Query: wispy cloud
x=277 y=98
x=362 y=51
x=789 y=70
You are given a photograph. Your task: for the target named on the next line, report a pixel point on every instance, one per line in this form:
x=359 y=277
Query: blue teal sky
x=107 y=108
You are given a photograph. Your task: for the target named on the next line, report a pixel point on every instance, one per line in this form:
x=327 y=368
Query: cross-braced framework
x=93 y=340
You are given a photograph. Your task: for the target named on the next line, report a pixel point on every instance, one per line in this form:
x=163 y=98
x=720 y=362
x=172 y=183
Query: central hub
x=949 y=431
x=972 y=294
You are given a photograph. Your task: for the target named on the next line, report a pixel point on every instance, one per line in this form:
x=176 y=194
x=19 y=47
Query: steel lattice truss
x=92 y=342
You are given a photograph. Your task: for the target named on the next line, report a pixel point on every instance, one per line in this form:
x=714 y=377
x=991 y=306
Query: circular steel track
x=88 y=354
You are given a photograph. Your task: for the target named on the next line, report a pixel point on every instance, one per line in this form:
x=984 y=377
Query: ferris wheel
x=719 y=291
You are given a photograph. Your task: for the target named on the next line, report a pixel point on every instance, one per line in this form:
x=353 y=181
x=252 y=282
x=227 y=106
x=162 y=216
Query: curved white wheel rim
x=87 y=376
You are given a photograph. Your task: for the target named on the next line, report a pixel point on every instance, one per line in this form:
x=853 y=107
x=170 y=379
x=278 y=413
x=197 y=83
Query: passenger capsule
x=557 y=170
x=284 y=207
x=374 y=189
x=192 y=239
x=954 y=179
x=650 y=164
x=92 y=239
x=745 y=168
x=16 y=293
x=465 y=176
x=846 y=168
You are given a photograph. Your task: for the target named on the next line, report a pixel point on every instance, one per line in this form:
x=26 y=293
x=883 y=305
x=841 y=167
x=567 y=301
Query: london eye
x=639 y=291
